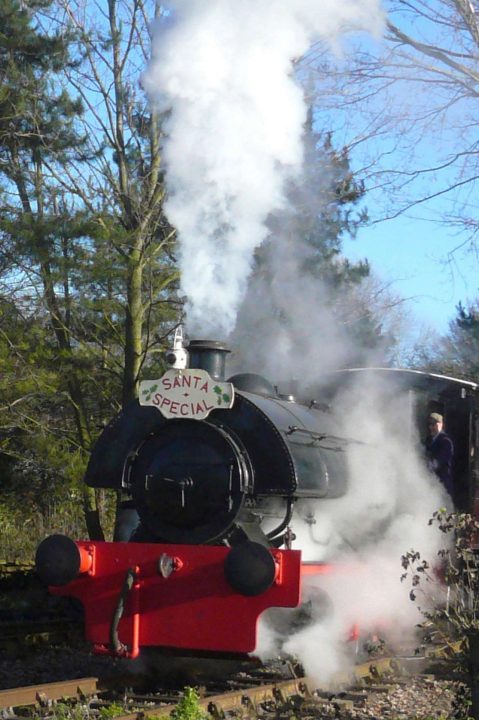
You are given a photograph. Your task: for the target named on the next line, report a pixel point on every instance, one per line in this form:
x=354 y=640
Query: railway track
x=33 y=633
x=15 y=568
x=29 y=616
x=263 y=693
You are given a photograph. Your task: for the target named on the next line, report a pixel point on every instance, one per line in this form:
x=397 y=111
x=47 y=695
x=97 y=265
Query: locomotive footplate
x=171 y=596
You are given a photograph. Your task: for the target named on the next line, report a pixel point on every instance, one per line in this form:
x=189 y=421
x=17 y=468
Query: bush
x=449 y=588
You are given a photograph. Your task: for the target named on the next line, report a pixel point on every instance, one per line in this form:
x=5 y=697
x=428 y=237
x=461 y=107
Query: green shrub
x=189 y=707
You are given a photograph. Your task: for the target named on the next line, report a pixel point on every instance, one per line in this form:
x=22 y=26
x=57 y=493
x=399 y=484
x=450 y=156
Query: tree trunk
x=133 y=326
x=92 y=515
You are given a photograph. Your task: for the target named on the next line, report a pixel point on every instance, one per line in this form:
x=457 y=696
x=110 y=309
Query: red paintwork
x=193 y=609
x=316 y=569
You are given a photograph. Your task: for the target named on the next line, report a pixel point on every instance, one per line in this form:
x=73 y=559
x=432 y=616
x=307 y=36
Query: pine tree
x=307 y=299
x=85 y=251
x=459 y=350
x=38 y=136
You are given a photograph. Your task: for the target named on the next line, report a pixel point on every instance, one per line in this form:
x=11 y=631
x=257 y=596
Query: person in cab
x=439 y=451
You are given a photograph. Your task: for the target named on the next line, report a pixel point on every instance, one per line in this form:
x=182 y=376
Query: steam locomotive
x=211 y=471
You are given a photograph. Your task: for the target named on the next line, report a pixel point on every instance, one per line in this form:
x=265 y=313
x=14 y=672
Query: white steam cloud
x=385 y=513
x=225 y=71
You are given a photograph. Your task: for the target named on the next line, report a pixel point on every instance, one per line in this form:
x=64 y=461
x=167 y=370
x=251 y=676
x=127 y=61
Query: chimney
x=209 y=355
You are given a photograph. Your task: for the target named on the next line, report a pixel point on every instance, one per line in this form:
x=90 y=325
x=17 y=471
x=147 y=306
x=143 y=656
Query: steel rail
x=238 y=699
x=33 y=694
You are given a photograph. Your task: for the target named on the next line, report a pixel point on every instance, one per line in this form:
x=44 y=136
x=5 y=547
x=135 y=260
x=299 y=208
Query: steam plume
x=385 y=513
x=225 y=70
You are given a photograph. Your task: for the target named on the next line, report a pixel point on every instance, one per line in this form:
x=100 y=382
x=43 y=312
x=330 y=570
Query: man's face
x=434 y=426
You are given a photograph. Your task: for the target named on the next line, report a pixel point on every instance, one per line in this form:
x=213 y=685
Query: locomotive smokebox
x=59 y=560
x=209 y=355
x=250 y=569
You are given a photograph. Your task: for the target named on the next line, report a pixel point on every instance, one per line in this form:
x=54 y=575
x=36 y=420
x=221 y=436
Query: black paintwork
x=189 y=479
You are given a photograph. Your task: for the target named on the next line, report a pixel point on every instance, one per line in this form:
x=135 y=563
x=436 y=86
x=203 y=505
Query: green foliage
x=461 y=346
x=449 y=594
x=462 y=704
x=111 y=711
x=34 y=119
x=23 y=525
x=321 y=211
x=189 y=707
x=67 y=711
x=457 y=353
x=302 y=286
x=37 y=436
x=86 y=271
x=456 y=572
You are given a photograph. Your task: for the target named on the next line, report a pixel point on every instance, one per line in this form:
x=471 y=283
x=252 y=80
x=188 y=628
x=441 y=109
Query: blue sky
x=416 y=126
x=413 y=255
